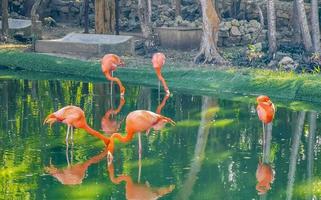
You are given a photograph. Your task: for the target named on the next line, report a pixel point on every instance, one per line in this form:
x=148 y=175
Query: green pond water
x=212 y=153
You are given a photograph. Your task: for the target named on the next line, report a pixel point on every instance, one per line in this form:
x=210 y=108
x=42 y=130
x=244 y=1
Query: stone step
x=88 y=45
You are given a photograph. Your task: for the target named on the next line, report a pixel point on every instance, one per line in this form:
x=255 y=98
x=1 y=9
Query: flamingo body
x=73 y=116
x=265 y=109
x=109 y=64
x=139 y=121
x=158 y=61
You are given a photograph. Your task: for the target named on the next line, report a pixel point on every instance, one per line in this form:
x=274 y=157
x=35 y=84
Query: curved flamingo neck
x=96 y=134
x=109 y=76
x=121 y=138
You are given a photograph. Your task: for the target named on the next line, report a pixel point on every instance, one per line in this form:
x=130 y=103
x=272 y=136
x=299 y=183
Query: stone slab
x=181 y=38
x=22 y=25
x=88 y=45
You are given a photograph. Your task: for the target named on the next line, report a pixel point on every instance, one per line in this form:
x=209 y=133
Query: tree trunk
x=149 y=4
x=208 y=50
x=86 y=18
x=105 y=16
x=303 y=22
x=271 y=19
x=117 y=10
x=176 y=4
x=5 y=15
x=199 y=152
x=146 y=25
x=294 y=153
x=310 y=151
x=296 y=26
x=34 y=19
x=315 y=25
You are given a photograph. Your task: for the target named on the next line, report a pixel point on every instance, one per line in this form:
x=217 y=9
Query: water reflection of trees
x=232 y=146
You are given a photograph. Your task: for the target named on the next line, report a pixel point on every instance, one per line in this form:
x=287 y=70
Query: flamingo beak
x=121 y=63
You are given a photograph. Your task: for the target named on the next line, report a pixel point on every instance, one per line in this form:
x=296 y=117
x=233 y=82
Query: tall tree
x=296 y=138
x=5 y=16
x=176 y=4
x=144 y=13
x=86 y=17
x=303 y=22
x=209 y=109
x=296 y=25
x=271 y=19
x=105 y=16
x=208 y=50
x=315 y=28
x=117 y=10
x=34 y=18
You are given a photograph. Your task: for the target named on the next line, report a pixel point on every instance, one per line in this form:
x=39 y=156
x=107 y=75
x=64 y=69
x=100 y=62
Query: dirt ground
x=176 y=58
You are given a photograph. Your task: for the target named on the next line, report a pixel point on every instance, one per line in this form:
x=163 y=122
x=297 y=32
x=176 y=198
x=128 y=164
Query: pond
x=213 y=152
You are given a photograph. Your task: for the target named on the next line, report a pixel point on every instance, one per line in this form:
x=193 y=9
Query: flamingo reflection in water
x=74 y=174
x=135 y=191
x=108 y=124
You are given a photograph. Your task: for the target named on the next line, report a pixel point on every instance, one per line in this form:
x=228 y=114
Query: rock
x=246 y=39
x=224 y=27
x=254 y=23
x=64 y=9
x=235 y=22
x=287 y=64
x=223 y=34
x=179 y=20
x=235 y=31
x=49 y=21
x=228 y=24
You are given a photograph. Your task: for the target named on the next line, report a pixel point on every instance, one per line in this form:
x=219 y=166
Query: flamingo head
x=158 y=60
x=263 y=98
x=50 y=119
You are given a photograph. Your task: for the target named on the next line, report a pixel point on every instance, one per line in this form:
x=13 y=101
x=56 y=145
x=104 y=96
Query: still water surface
x=213 y=152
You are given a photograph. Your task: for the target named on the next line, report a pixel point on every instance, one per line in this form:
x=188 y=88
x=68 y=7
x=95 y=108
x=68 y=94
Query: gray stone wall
x=163 y=13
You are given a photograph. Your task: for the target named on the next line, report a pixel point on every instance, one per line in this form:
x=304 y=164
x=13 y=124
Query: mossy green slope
x=240 y=82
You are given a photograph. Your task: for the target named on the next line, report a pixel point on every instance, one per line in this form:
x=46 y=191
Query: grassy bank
x=232 y=82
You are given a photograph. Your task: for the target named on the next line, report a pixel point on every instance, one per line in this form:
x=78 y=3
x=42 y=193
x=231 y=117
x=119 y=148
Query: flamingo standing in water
x=158 y=61
x=74 y=117
x=109 y=64
x=136 y=122
x=265 y=109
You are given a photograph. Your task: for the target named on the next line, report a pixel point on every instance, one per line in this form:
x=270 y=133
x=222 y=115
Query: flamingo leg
x=139 y=146
x=67 y=154
x=72 y=134
x=111 y=87
x=67 y=136
x=72 y=151
x=158 y=91
x=139 y=169
x=263 y=143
